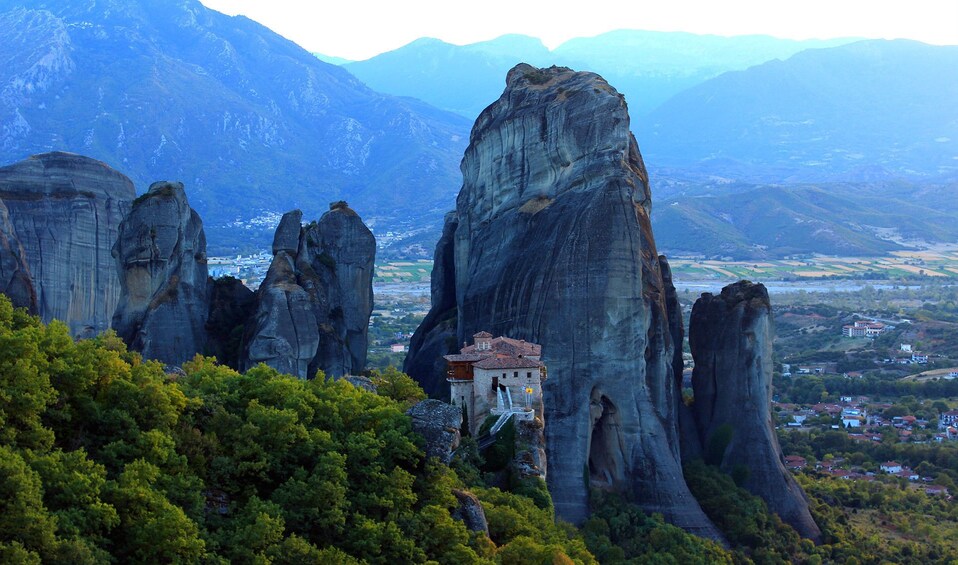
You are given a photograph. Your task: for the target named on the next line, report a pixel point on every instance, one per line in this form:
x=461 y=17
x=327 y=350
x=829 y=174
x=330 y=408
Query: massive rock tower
x=730 y=335
x=551 y=243
x=161 y=260
x=314 y=305
x=65 y=211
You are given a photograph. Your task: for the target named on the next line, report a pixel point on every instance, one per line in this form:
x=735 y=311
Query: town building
x=864 y=328
x=947 y=419
x=496 y=377
x=891 y=467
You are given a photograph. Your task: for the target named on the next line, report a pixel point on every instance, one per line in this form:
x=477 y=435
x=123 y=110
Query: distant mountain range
x=253 y=124
x=870 y=110
x=647 y=66
x=777 y=221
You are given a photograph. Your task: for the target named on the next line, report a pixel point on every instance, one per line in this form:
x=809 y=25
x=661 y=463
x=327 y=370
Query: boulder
x=66 y=211
x=730 y=335
x=161 y=260
x=439 y=424
x=551 y=243
x=470 y=512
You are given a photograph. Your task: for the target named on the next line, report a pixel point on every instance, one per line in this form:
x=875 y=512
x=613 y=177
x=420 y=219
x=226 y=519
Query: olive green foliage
x=619 y=532
x=106 y=458
x=393 y=383
x=861 y=522
x=744 y=519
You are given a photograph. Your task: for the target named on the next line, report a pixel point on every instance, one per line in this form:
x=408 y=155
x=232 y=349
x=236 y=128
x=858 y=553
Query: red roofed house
x=494 y=376
x=891 y=467
x=795 y=462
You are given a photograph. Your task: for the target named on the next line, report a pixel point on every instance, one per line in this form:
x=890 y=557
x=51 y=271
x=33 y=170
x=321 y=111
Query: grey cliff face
x=315 y=302
x=15 y=279
x=731 y=339
x=439 y=424
x=161 y=260
x=66 y=211
x=553 y=245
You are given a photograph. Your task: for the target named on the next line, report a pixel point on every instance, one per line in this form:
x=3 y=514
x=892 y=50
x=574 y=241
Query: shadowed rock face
x=315 y=302
x=437 y=336
x=231 y=307
x=15 y=279
x=66 y=211
x=552 y=244
x=731 y=339
x=161 y=260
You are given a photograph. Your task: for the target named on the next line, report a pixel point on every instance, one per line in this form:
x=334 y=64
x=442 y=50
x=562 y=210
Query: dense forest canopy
x=105 y=457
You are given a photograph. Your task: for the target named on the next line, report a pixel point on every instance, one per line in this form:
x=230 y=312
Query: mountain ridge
x=250 y=121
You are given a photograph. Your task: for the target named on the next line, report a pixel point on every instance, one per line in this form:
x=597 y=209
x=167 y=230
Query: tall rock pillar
x=731 y=339
x=161 y=260
x=314 y=305
x=551 y=242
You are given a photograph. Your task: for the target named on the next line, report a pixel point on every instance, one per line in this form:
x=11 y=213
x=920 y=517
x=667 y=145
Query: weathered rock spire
x=730 y=335
x=65 y=210
x=551 y=243
x=161 y=260
x=314 y=305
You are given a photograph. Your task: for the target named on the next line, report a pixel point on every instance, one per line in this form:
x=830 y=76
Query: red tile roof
x=507 y=363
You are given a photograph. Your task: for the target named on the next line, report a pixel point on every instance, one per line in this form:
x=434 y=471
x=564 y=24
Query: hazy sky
x=359 y=29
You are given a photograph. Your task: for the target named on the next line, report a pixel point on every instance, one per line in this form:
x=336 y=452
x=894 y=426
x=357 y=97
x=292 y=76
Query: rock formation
x=439 y=424
x=470 y=512
x=314 y=305
x=231 y=306
x=731 y=339
x=66 y=211
x=160 y=256
x=551 y=243
x=15 y=279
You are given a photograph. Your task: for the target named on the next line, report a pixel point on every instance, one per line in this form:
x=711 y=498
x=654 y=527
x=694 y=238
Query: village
x=867 y=422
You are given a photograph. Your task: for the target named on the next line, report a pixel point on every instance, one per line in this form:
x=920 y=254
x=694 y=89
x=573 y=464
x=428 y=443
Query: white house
x=891 y=467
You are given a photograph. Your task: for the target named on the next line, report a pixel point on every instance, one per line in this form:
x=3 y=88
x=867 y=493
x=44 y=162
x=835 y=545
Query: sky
x=359 y=29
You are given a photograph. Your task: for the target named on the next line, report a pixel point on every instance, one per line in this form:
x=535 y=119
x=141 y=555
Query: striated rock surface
x=731 y=339
x=161 y=260
x=314 y=305
x=15 y=279
x=552 y=243
x=439 y=424
x=66 y=210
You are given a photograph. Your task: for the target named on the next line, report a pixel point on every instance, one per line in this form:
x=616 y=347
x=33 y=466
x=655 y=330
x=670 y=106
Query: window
x=529 y=375
x=515 y=374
